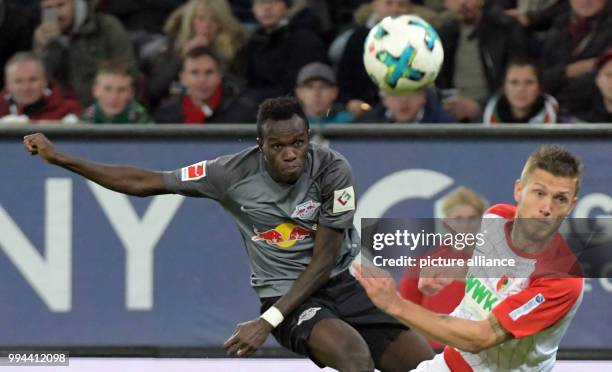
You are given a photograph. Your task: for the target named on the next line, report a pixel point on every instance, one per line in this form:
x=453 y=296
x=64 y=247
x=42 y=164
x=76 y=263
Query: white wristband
x=273 y=316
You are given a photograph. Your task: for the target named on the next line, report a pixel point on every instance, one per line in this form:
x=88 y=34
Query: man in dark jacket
x=208 y=98
x=571 y=50
x=419 y=107
x=277 y=50
x=73 y=38
x=600 y=109
x=477 y=46
x=17 y=23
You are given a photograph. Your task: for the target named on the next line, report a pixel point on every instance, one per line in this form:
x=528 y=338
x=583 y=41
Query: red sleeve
x=539 y=306
x=506 y=211
x=409 y=287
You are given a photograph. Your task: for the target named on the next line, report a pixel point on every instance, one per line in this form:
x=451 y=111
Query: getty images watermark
x=578 y=247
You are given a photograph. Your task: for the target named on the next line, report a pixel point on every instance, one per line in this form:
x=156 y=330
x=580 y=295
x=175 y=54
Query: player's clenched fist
x=38 y=144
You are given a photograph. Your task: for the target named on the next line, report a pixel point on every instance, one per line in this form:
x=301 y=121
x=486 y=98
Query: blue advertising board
x=81 y=265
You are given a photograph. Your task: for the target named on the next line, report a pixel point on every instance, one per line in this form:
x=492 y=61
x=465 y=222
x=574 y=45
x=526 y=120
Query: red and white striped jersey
x=535 y=300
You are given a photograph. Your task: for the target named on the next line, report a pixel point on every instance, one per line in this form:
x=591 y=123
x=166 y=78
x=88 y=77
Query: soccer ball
x=403 y=54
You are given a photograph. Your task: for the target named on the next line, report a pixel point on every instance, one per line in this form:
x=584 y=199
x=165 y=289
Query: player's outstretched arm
x=127 y=180
x=250 y=335
x=467 y=335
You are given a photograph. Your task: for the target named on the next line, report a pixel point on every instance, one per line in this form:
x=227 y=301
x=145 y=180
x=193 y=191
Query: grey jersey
x=278 y=222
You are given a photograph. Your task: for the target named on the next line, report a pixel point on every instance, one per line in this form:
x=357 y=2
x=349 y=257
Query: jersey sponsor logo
x=306 y=210
x=307 y=314
x=194 y=172
x=344 y=200
x=528 y=307
x=284 y=235
x=479 y=292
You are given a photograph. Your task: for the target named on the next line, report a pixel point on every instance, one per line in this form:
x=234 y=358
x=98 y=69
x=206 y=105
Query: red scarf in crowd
x=194 y=114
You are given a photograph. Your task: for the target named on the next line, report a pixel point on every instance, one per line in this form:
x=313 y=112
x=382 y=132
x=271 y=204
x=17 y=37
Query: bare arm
x=124 y=179
x=327 y=248
x=468 y=335
x=250 y=335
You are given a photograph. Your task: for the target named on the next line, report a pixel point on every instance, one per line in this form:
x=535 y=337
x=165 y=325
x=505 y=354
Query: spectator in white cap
x=317 y=89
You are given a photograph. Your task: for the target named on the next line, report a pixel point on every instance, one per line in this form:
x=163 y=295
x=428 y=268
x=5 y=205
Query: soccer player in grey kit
x=294 y=204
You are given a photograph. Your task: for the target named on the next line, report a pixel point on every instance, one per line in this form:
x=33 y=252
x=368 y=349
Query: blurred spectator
x=536 y=17
x=113 y=90
x=356 y=87
x=73 y=38
x=242 y=9
x=17 y=24
x=209 y=97
x=422 y=106
x=535 y=14
x=277 y=50
x=28 y=95
x=600 y=110
x=317 y=90
x=199 y=23
x=463 y=209
x=521 y=99
x=477 y=45
x=142 y=16
x=571 y=49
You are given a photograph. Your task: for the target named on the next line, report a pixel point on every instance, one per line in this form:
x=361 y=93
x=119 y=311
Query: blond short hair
x=21 y=57
x=464 y=196
x=555 y=160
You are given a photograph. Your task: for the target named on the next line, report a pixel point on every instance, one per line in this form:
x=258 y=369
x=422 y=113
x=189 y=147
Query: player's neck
x=520 y=114
x=526 y=245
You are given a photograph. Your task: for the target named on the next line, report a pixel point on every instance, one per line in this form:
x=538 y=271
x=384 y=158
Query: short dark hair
x=201 y=51
x=522 y=61
x=555 y=160
x=115 y=68
x=281 y=108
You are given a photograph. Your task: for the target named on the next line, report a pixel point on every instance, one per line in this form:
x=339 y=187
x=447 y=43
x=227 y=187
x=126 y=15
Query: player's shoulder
x=241 y=163
x=325 y=158
x=557 y=287
x=505 y=211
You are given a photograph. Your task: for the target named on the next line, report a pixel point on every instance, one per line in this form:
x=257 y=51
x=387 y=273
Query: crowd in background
x=214 y=61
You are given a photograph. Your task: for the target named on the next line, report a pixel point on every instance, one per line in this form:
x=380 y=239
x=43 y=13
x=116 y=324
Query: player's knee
x=356 y=359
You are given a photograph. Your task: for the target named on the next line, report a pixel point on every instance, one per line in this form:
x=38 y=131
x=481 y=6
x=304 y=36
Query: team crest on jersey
x=344 y=200
x=194 y=172
x=306 y=210
x=502 y=283
x=307 y=314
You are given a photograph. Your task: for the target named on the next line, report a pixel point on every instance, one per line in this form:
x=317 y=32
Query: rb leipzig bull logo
x=284 y=235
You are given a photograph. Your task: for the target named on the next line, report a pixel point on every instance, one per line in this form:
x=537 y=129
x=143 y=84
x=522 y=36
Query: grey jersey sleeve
x=206 y=179
x=337 y=195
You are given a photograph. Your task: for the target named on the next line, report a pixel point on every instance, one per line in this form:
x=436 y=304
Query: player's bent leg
x=405 y=353
x=336 y=344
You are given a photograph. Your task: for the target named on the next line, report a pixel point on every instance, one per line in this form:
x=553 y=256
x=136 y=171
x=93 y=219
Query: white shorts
x=437 y=364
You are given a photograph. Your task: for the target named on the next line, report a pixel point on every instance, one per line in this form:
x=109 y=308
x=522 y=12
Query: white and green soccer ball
x=403 y=54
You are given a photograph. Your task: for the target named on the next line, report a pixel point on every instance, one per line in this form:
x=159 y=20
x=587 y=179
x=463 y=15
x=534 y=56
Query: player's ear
x=260 y=143
x=518 y=187
x=574 y=201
